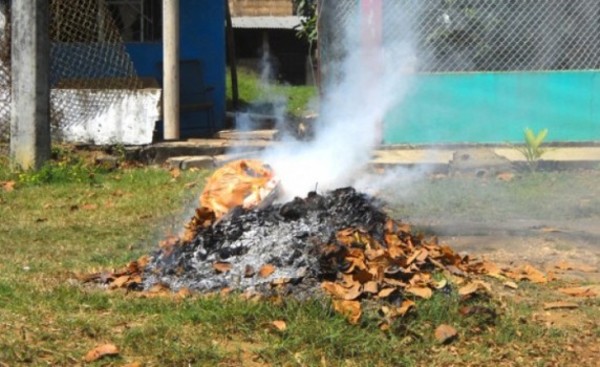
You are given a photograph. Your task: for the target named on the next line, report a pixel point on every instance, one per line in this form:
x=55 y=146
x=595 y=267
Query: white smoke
x=352 y=112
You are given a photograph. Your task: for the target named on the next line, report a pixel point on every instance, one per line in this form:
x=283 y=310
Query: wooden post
x=171 y=69
x=30 y=107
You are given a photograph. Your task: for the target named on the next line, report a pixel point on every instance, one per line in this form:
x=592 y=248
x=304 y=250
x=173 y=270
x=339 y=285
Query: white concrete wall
x=129 y=120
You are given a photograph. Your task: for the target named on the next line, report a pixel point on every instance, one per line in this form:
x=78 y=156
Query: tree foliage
x=308 y=27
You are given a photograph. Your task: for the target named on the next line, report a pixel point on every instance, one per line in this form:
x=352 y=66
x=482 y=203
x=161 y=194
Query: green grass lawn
x=297 y=97
x=71 y=221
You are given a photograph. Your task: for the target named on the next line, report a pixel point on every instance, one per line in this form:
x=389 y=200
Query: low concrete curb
x=210 y=153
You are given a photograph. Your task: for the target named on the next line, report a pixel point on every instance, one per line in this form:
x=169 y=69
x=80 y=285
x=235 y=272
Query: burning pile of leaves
x=340 y=242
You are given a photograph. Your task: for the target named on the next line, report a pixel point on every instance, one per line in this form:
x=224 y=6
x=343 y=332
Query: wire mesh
x=87 y=54
x=4 y=77
x=482 y=35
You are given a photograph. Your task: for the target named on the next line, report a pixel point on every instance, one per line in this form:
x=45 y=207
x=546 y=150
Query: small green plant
x=532 y=150
x=65 y=166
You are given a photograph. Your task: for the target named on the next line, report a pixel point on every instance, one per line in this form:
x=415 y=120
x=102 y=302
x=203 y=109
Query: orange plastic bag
x=244 y=182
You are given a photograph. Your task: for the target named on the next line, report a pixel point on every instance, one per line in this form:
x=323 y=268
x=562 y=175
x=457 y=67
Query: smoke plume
x=372 y=77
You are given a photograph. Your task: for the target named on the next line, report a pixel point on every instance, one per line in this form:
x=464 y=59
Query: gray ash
x=289 y=236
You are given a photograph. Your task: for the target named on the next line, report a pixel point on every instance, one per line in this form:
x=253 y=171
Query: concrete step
x=268 y=135
x=159 y=153
x=204 y=153
x=207 y=161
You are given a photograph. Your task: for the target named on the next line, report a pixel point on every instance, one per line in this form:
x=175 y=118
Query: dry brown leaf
x=384 y=293
x=505 y=176
x=89 y=207
x=159 y=289
x=120 y=281
x=331 y=288
x=340 y=292
x=190 y=185
x=222 y=267
x=423 y=292
x=384 y=326
x=563 y=265
x=509 y=284
x=395 y=282
x=362 y=276
x=136 y=279
x=484 y=285
x=423 y=255
x=143 y=261
x=549 y=230
x=578 y=291
x=350 y=309
x=175 y=172
x=551 y=276
x=491 y=269
x=353 y=292
x=533 y=274
x=405 y=307
x=279 y=325
x=168 y=242
x=560 y=304
x=413 y=257
x=183 y=293
x=266 y=270
x=225 y=291
x=8 y=186
x=101 y=351
x=468 y=289
x=372 y=254
x=281 y=281
x=371 y=287
x=445 y=334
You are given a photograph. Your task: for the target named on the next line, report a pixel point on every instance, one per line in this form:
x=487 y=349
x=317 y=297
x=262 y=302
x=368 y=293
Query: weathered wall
x=129 y=121
x=496 y=107
x=252 y=8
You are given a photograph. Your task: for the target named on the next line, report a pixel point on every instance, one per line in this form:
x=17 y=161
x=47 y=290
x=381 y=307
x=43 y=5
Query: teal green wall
x=496 y=107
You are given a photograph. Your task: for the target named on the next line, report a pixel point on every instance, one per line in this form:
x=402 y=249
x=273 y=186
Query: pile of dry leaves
x=384 y=262
x=405 y=264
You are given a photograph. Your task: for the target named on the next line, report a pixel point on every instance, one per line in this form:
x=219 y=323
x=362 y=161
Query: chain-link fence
x=87 y=54
x=480 y=35
x=4 y=76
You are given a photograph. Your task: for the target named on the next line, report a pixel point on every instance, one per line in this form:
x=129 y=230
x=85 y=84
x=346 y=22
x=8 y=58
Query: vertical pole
x=171 y=69
x=30 y=106
x=371 y=23
x=100 y=16
x=235 y=96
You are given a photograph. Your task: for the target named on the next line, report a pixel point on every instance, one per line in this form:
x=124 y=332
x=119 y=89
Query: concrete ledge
x=220 y=151
x=206 y=161
x=159 y=153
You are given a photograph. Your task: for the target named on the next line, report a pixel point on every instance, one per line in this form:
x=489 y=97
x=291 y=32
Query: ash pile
x=279 y=247
x=340 y=242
